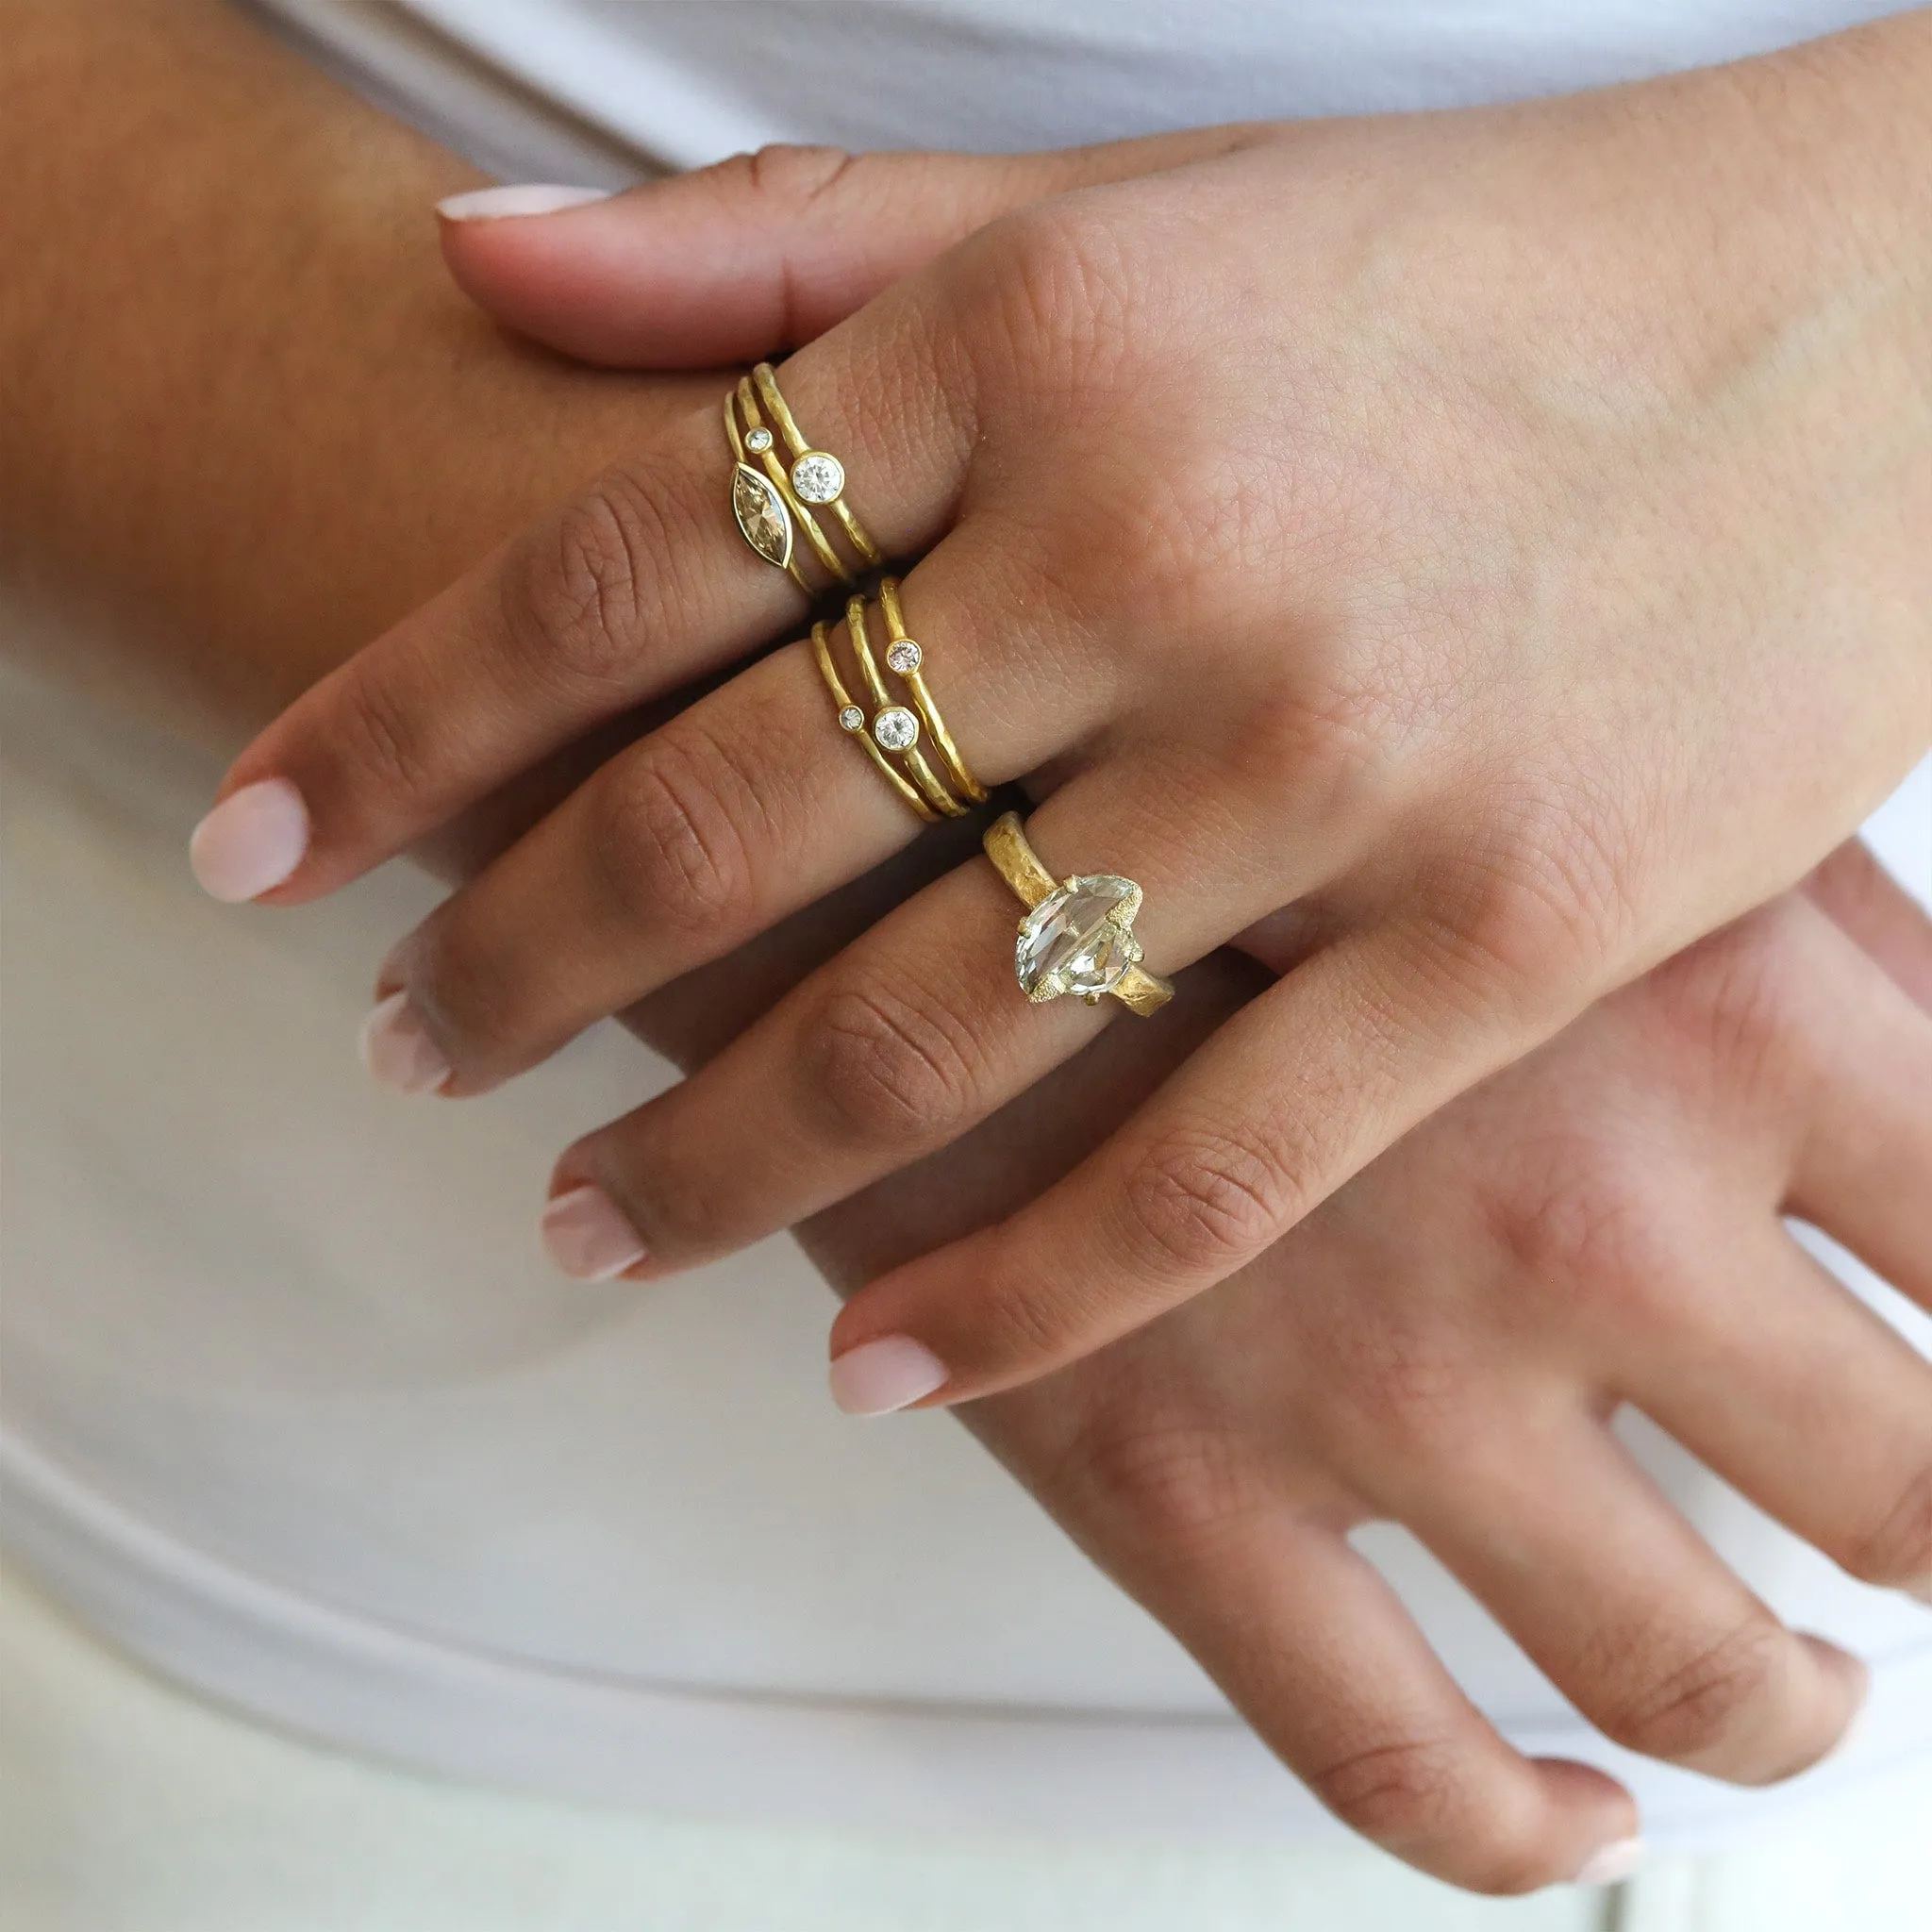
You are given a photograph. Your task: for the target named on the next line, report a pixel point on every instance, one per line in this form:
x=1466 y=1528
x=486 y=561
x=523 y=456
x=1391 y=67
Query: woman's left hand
x=1491 y=545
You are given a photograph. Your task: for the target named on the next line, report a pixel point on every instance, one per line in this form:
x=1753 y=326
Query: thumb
x=757 y=253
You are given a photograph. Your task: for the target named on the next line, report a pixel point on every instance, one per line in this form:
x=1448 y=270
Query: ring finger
x=735 y=814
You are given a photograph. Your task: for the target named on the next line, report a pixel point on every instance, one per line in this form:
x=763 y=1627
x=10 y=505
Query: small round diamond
x=852 y=719
x=896 y=728
x=817 y=477
x=905 y=655
x=759 y=442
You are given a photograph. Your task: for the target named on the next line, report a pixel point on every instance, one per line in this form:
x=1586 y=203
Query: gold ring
x=815 y=475
x=895 y=727
x=1077 y=936
x=906 y=658
x=767 y=512
x=852 y=721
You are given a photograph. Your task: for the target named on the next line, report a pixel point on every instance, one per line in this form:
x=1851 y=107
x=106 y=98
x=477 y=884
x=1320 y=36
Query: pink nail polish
x=252 y=841
x=522 y=198
x=1613 y=1863
x=878 y=1378
x=397 y=1050
x=585 y=1235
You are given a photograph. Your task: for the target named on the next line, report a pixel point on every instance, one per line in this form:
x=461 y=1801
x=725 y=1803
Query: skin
x=1322 y=531
x=1195 y=1459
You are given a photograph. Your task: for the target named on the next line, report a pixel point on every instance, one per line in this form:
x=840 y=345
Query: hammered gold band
x=891 y=730
x=1107 y=904
x=773 y=495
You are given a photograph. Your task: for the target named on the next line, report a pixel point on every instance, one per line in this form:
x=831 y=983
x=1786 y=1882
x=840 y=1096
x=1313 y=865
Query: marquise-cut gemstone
x=762 y=515
x=1077 y=940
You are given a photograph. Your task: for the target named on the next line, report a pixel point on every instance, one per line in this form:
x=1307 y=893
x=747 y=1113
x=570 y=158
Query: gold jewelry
x=766 y=505
x=1077 y=935
x=895 y=727
x=815 y=476
x=906 y=658
x=852 y=719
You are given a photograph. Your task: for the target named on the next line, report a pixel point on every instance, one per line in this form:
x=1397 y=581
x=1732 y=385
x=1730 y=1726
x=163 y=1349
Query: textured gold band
x=852 y=719
x=906 y=658
x=799 y=451
x=1016 y=861
x=759 y=442
x=923 y=775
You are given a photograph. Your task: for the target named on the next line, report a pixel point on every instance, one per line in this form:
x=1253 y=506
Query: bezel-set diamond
x=852 y=719
x=759 y=442
x=905 y=655
x=762 y=515
x=817 y=477
x=1079 y=940
x=895 y=729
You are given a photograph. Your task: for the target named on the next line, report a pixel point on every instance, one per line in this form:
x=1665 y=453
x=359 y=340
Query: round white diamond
x=759 y=442
x=896 y=728
x=905 y=655
x=817 y=477
x=852 y=718
x=1077 y=940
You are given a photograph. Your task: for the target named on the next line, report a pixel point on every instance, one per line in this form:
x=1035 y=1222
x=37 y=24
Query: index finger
x=639 y=585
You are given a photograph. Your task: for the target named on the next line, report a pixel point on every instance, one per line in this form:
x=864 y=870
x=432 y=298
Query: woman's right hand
x=1444 y=1343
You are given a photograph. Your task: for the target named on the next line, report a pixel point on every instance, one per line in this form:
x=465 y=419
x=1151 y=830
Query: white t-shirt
x=290 y=1404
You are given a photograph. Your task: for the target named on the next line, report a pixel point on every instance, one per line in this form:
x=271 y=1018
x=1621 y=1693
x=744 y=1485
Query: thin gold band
x=923 y=777
x=782 y=482
x=912 y=675
x=822 y=650
x=1014 y=858
x=766 y=377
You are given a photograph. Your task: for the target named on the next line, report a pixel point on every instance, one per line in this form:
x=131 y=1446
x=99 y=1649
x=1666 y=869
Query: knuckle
x=464 y=984
x=667 y=845
x=1693 y=1712
x=886 y=1068
x=1898 y=1553
x=368 y=737
x=792 y=174
x=1167 y=1485
x=1203 y=1200
x=1417 y=1796
x=591 y=582
x=1532 y=914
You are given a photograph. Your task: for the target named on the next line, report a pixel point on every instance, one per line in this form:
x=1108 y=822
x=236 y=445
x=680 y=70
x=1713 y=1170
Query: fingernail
x=1611 y=1863
x=585 y=1235
x=529 y=198
x=250 y=841
x=1921 y=1592
x=397 y=1050
x=878 y=1376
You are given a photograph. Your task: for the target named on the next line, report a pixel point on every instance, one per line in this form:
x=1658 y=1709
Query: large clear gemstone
x=1076 y=940
x=896 y=728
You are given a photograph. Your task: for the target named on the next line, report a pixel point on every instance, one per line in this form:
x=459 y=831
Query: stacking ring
x=1077 y=936
x=772 y=499
x=891 y=730
x=907 y=659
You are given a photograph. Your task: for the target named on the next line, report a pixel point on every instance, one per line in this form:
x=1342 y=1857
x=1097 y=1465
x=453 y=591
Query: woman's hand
x=1444 y=1343
x=1491 y=545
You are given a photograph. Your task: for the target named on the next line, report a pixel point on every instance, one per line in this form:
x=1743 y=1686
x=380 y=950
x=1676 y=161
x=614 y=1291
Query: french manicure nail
x=397 y=1049
x=585 y=1235
x=878 y=1378
x=1613 y=1863
x=252 y=841
x=527 y=198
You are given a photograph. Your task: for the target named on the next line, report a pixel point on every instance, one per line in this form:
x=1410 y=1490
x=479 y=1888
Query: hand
x=1331 y=541
x=1443 y=1343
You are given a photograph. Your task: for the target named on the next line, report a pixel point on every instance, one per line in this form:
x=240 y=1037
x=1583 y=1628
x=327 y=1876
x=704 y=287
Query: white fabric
x=291 y=1406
